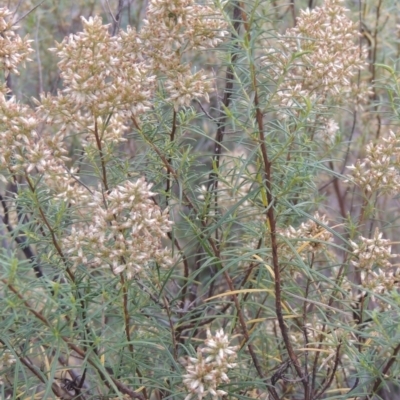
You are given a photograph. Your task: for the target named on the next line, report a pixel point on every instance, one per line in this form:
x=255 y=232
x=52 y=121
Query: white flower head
x=204 y=375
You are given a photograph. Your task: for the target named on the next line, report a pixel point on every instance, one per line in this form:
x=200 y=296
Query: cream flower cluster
x=372 y=252
x=14 y=50
x=208 y=370
x=379 y=170
x=372 y=257
x=24 y=150
x=312 y=235
x=326 y=131
x=17 y=122
x=182 y=25
x=172 y=28
x=122 y=230
x=18 y=126
x=318 y=57
x=105 y=82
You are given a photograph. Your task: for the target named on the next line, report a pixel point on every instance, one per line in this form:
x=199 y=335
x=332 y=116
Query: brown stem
x=126 y=311
x=189 y=203
x=250 y=270
x=293 y=12
x=244 y=280
x=117 y=20
x=221 y=121
x=124 y=284
x=267 y=172
x=338 y=278
x=54 y=387
x=34 y=369
x=185 y=263
x=304 y=329
x=338 y=193
x=375 y=48
x=171 y=141
x=385 y=370
x=182 y=254
x=244 y=326
x=329 y=383
x=167 y=196
x=171 y=325
x=208 y=321
x=61 y=254
x=99 y=147
x=212 y=186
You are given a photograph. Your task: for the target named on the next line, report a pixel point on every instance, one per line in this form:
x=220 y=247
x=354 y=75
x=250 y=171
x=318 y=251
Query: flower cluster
x=105 y=83
x=172 y=28
x=372 y=252
x=372 y=257
x=312 y=235
x=318 y=57
x=17 y=131
x=208 y=370
x=14 y=50
x=123 y=231
x=378 y=171
x=326 y=131
x=182 y=25
x=17 y=122
x=24 y=150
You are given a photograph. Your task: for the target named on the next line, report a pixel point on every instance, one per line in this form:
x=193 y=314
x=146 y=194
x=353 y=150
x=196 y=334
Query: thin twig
x=117 y=19
x=171 y=142
x=38 y=57
x=100 y=149
x=26 y=14
x=333 y=373
x=126 y=311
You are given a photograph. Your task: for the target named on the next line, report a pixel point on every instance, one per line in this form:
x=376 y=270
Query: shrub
x=202 y=207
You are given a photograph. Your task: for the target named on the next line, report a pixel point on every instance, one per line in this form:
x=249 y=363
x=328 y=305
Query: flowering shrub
x=199 y=201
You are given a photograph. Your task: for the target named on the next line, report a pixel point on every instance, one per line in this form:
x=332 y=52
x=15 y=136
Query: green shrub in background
x=201 y=207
